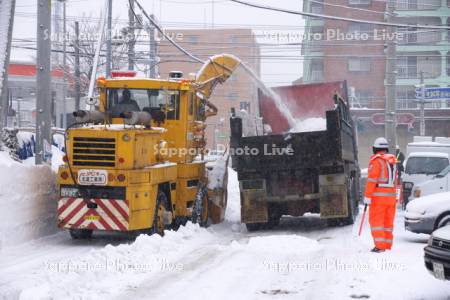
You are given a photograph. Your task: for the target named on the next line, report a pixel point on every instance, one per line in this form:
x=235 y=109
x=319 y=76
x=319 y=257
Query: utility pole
x=4 y=95
x=131 y=42
x=43 y=81
x=152 y=52
x=108 y=40
x=422 y=102
x=77 y=66
x=391 y=74
x=64 y=100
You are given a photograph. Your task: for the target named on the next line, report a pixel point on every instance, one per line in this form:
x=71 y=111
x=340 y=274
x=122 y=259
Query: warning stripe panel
x=110 y=214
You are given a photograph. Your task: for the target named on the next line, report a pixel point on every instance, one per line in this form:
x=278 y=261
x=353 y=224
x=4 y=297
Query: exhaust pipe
x=136 y=118
x=87 y=116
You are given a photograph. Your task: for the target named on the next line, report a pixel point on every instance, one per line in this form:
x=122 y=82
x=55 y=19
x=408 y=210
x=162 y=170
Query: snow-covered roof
x=429 y=154
x=428 y=144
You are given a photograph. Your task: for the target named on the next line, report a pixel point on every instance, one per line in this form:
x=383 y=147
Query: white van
x=425 y=158
x=437 y=184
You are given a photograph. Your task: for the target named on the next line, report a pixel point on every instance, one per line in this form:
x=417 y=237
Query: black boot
x=377 y=250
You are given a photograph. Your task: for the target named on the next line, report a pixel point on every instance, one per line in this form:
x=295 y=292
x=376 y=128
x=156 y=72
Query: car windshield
x=444 y=172
x=126 y=100
x=426 y=165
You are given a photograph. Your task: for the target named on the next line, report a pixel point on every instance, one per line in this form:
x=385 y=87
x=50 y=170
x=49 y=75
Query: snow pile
x=216 y=172
x=27 y=201
x=100 y=274
x=233 y=211
x=310 y=124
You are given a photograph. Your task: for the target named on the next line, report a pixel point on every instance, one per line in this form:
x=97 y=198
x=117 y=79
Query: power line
x=308 y=14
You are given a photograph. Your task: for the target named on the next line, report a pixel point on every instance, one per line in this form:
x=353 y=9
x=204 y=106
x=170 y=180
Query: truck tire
x=81 y=234
x=254 y=226
x=352 y=202
x=274 y=218
x=158 y=219
x=200 y=210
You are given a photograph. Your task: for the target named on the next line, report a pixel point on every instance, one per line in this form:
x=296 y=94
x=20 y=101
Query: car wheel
x=443 y=221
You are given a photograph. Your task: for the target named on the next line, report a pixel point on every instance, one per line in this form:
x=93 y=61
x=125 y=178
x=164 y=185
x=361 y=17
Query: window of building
x=233 y=95
x=233 y=39
x=359 y=27
x=193 y=39
x=316 y=70
x=245 y=105
x=407 y=67
x=405 y=97
x=448 y=63
x=359 y=2
x=363 y=98
x=317 y=8
x=359 y=64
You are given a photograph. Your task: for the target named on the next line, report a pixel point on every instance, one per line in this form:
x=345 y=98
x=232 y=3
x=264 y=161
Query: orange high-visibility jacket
x=382 y=179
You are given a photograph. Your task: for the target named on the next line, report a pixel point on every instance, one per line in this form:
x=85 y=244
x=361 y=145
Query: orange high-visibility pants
x=381 y=220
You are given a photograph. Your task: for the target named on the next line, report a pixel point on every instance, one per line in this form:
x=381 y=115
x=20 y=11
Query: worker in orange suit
x=381 y=194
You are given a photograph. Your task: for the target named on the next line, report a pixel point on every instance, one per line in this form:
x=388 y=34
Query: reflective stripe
x=391 y=173
x=384 y=194
x=372 y=180
x=383 y=240
x=377 y=228
x=381 y=228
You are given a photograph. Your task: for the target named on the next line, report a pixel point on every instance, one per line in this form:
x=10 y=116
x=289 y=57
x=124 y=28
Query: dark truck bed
x=318 y=171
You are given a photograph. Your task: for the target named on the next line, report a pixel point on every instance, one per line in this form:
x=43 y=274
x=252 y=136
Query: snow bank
x=100 y=274
x=233 y=211
x=310 y=124
x=27 y=201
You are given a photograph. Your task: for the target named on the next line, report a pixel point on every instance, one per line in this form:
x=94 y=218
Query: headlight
x=430 y=241
x=417 y=193
x=67 y=192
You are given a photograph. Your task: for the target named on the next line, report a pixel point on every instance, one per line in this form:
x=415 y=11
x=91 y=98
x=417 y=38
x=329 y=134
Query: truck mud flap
x=253 y=202
x=333 y=196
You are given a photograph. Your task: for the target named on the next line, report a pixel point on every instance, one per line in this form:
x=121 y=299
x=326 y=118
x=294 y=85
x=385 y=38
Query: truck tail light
x=121 y=177
x=64 y=175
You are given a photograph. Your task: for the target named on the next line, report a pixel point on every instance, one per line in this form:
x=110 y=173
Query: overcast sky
x=270 y=27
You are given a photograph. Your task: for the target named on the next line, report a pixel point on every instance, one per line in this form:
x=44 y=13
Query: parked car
x=428 y=213
x=437 y=184
x=437 y=253
x=424 y=159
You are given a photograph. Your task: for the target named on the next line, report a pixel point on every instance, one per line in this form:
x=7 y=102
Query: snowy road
x=301 y=259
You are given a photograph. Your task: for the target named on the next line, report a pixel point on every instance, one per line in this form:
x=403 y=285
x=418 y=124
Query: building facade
x=22 y=95
x=355 y=52
x=239 y=92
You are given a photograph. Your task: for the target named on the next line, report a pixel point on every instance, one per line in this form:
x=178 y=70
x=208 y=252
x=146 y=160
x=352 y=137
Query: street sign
x=402 y=118
x=442 y=93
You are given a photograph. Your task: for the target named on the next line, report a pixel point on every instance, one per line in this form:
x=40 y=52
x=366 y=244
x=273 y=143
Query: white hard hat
x=381 y=142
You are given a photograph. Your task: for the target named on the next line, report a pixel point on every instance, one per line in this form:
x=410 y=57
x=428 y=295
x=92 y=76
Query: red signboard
x=402 y=118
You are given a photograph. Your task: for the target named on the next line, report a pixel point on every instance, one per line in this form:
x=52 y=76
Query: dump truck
x=292 y=173
x=134 y=159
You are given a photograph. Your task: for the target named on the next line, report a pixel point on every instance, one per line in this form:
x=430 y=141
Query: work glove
x=367 y=200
